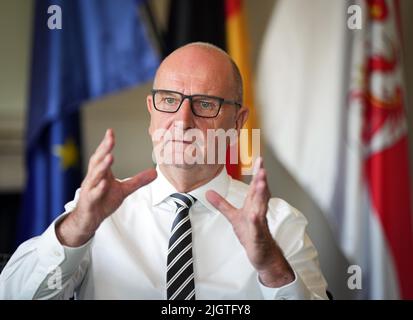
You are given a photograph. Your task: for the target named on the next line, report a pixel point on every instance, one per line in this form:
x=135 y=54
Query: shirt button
x=57 y=253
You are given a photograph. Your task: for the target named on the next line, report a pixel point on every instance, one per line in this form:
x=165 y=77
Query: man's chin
x=181 y=166
x=181 y=161
x=185 y=166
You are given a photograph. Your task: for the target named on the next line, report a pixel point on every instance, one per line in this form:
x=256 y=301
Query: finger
x=262 y=176
x=259 y=208
x=97 y=192
x=100 y=171
x=261 y=196
x=259 y=164
x=103 y=149
x=221 y=205
x=258 y=167
x=251 y=203
x=138 y=181
x=251 y=190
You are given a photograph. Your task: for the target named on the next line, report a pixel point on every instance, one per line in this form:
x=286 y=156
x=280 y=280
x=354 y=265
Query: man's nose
x=185 y=114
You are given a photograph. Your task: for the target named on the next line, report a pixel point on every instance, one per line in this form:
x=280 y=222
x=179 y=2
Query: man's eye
x=206 y=105
x=170 y=100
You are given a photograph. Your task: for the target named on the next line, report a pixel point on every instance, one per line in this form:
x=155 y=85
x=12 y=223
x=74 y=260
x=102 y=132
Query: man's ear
x=149 y=106
x=241 y=117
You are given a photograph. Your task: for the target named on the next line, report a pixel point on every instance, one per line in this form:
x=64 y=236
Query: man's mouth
x=182 y=141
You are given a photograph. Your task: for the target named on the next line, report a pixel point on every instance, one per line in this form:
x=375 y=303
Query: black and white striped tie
x=180 y=284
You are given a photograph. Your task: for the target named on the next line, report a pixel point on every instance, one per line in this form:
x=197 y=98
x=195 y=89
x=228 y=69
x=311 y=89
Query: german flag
x=237 y=40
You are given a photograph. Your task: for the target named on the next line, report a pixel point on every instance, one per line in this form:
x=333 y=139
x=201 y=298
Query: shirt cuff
x=52 y=253
x=295 y=290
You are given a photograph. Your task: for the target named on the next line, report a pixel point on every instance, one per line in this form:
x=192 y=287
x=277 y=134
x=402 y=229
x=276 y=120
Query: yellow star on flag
x=68 y=153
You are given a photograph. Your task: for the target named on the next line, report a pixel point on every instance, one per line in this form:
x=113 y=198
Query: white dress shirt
x=126 y=258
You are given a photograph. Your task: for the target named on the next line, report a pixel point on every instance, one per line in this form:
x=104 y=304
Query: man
x=182 y=231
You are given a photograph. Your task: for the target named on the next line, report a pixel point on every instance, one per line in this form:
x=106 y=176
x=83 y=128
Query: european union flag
x=101 y=47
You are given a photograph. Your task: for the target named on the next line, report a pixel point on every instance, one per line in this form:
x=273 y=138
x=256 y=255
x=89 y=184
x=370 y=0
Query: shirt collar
x=161 y=189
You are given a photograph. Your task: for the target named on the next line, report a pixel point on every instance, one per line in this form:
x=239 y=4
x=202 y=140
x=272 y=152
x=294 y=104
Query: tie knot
x=183 y=199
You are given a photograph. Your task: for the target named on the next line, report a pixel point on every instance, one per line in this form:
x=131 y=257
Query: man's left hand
x=251 y=227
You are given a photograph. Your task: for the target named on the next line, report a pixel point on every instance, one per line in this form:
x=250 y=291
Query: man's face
x=190 y=71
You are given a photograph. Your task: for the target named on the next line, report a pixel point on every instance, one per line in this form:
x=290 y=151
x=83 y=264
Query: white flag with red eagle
x=334 y=106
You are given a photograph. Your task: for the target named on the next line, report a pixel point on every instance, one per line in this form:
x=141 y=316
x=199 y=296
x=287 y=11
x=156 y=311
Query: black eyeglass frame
x=190 y=97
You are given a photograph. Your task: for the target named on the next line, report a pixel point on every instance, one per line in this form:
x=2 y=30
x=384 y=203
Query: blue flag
x=101 y=47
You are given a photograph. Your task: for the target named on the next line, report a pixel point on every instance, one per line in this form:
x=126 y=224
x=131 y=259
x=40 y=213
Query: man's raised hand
x=100 y=195
x=251 y=227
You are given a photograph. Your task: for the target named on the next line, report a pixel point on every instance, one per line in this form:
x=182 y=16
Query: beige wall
x=15 y=21
x=126 y=113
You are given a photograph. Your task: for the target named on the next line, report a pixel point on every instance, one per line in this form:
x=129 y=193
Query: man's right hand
x=100 y=195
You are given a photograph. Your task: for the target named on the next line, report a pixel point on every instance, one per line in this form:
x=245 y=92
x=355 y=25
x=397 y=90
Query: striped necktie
x=180 y=284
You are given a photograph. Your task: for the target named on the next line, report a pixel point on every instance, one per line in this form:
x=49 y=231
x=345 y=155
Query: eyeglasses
x=201 y=105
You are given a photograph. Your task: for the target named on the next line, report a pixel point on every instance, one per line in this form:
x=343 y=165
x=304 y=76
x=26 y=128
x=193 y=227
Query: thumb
x=221 y=205
x=138 y=181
